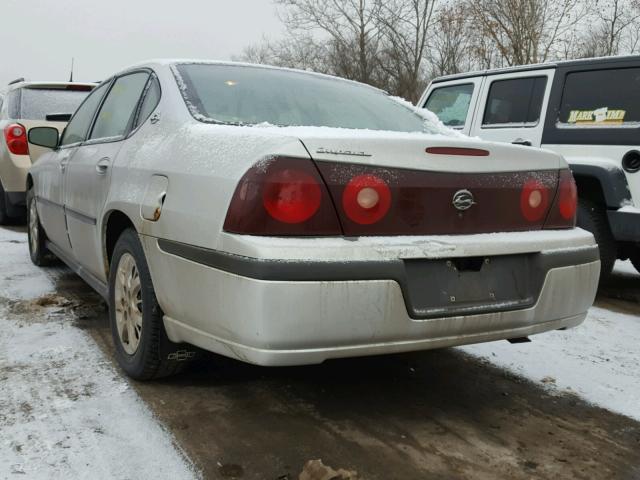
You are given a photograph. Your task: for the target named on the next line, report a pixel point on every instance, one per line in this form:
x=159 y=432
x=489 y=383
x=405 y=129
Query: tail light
x=366 y=199
x=286 y=196
x=282 y=196
x=15 y=135
x=565 y=205
x=534 y=201
x=291 y=195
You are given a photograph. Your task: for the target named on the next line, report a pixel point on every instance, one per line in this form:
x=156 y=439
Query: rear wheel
x=593 y=217
x=38 y=252
x=4 y=218
x=142 y=347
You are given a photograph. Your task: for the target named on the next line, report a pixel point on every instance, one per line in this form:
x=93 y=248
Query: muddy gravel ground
x=439 y=414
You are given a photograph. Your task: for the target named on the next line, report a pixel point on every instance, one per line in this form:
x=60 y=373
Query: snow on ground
x=16 y=280
x=65 y=412
x=598 y=360
x=627 y=269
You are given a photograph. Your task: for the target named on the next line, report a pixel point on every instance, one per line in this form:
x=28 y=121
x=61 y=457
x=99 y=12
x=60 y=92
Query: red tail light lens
x=563 y=211
x=534 y=201
x=366 y=199
x=291 y=195
x=568 y=196
x=15 y=136
x=283 y=196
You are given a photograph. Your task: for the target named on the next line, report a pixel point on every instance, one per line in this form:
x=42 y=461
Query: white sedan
x=282 y=217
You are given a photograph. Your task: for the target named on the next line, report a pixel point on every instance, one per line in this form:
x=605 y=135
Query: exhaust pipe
x=519 y=340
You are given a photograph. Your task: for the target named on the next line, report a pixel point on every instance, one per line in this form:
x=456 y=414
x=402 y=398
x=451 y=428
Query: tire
x=37 y=238
x=4 y=217
x=593 y=217
x=142 y=348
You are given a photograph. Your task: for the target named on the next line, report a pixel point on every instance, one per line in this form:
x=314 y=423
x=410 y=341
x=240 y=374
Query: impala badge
x=328 y=151
x=463 y=200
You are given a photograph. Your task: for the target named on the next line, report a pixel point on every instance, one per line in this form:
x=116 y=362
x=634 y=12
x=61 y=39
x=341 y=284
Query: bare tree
x=406 y=27
x=452 y=48
x=304 y=53
x=398 y=45
x=526 y=31
x=350 y=25
x=614 y=28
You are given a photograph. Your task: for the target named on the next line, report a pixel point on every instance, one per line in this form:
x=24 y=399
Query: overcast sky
x=39 y=37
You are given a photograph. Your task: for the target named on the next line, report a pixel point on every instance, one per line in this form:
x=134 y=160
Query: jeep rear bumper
x=625 y=226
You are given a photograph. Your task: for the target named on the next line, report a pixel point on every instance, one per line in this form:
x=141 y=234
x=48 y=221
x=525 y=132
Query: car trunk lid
x=437 y=185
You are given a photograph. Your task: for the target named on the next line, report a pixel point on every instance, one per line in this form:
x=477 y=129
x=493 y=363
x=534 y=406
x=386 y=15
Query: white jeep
x=586 y=110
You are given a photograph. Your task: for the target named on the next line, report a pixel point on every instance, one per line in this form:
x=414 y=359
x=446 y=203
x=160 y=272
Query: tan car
x=22 y=106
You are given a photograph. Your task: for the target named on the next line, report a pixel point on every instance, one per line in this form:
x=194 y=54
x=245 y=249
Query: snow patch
x=432 y=124
x=629 y=209
x=65 y=412
x=598 y=360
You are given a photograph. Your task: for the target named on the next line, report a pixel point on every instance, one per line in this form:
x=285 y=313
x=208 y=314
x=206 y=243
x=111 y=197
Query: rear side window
x=37 y=103
x=149 y=103
x=601 y=98
x=451 y=104
x=78 y=127
x=117 y=112
x=515 y=102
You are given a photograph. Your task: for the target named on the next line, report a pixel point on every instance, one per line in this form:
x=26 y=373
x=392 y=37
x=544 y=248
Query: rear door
x=52 y=172
x=510 y=107
x=454 y=102
x=89 y=171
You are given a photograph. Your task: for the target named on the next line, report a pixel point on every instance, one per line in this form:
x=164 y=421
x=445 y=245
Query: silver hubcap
x=128 y=299
x=33 y=226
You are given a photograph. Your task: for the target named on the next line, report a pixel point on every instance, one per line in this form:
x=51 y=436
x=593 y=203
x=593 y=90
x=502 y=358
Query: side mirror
x=47 y=137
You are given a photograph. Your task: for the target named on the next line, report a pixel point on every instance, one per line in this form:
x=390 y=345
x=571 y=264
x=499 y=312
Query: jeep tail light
x=565 y=206
x=534 y=201
x=366 y=199
x=282 y=196
x=15 y=136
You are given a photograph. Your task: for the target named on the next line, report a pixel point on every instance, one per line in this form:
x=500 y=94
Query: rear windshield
x=37 y=103
x=242 y=95
x=601 y=98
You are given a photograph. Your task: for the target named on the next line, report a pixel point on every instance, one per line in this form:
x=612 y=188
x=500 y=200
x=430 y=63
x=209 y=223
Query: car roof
x=584 y=62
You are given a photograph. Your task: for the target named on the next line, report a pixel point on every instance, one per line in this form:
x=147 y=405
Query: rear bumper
x=300 y=312
x=15 y=203
x=16 y=199
x=625 y=226
x=13 y=171
x=430 y=288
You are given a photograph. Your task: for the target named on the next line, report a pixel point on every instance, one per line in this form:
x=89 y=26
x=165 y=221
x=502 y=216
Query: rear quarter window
x=601 y=99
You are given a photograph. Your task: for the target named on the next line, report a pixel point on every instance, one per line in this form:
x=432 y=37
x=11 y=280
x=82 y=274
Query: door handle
x=522 y=141
x=103 y=165
x=64 y=161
